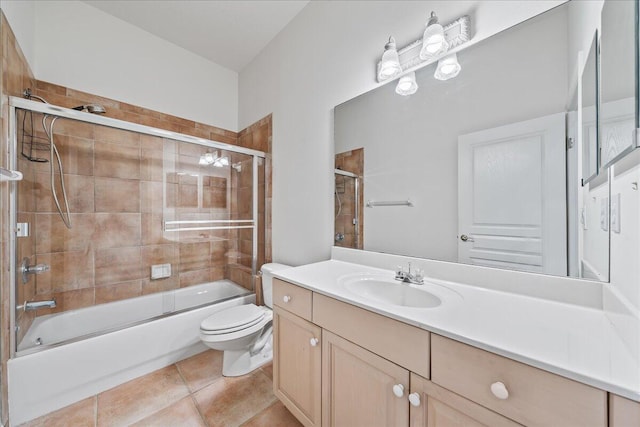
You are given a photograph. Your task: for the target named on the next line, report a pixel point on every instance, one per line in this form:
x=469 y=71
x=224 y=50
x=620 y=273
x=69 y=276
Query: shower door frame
x=67 y=113
x=356 y=203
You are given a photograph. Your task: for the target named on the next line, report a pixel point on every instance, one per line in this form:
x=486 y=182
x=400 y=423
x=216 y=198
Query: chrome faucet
x=34 y=305
x=416 y=277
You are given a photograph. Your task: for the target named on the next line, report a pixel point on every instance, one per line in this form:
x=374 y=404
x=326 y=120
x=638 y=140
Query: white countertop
x=570 y=340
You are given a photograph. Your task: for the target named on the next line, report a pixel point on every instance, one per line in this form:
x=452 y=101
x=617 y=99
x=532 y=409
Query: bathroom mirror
x=475 y=169
x=618 y=81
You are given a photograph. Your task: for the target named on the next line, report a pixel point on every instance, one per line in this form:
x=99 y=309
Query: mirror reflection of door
x=511 y=208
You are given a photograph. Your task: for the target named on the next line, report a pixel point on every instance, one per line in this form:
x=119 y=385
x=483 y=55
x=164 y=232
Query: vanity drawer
x=402 y=344
x=535 y=397
x=292 y=298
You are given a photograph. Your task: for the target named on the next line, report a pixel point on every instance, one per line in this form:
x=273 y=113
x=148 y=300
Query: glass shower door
x=348 y=219
x=209 y=212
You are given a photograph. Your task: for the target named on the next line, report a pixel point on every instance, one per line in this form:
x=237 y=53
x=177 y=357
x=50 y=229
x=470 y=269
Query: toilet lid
x=234 y=317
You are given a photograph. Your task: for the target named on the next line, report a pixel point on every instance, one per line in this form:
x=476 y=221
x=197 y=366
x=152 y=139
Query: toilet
x=244 y=332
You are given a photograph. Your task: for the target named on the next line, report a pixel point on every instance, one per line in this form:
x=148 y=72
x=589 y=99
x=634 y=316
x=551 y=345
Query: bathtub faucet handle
x=27 y=269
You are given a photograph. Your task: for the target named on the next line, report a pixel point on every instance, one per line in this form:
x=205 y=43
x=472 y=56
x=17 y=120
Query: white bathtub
x=47 y=380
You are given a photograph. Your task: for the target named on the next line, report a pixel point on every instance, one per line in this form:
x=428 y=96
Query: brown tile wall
x=113 y=180
x=259 y=137
x=14 y=76
x=350 y=161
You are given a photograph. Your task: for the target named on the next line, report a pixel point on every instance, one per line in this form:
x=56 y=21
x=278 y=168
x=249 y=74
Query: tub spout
x=34 y=305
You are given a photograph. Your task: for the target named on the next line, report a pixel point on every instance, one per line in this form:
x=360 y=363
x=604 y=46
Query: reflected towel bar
x=372 y=204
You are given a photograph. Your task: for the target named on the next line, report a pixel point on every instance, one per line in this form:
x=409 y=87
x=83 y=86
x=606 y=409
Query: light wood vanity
x=336 y=364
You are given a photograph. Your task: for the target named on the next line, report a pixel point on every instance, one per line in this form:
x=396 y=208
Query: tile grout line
x=195 y=403
x=260 y=413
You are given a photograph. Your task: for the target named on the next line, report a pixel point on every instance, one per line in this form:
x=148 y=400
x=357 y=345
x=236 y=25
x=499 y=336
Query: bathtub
x=74 y=361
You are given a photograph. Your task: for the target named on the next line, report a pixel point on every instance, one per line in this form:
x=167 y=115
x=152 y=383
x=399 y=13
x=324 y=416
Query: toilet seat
x=235 y=321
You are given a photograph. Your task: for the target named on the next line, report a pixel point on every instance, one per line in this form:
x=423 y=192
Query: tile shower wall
x=117 y=198
x=14 y=76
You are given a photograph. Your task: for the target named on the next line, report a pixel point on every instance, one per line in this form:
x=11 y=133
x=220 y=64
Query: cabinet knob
x=314 y=342
x=414 y=399
x=499 y=390
x=398 y=390
x=286 y=298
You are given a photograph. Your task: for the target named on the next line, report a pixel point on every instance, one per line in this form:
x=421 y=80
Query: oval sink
x=391 y=292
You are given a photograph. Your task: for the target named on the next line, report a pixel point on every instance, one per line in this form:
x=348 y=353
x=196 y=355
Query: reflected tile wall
x=350 y=161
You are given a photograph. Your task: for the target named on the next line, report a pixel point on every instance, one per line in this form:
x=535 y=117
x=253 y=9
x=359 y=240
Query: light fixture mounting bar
x=456 y=33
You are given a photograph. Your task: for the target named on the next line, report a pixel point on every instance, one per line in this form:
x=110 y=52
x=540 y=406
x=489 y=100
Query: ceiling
x=229 y=33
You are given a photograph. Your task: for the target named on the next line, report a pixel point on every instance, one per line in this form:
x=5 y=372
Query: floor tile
x=268 y=370
x=183 y=413
x=275 y=415
x=80 y=414
x=140 y=398
x=201 y=370
x=232 y=401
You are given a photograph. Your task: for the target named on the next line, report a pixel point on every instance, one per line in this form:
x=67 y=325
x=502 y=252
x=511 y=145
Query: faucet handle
x=418 y=276
x=400 y=272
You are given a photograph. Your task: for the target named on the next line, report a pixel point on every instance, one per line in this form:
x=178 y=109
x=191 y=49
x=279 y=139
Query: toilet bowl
x=245 y=332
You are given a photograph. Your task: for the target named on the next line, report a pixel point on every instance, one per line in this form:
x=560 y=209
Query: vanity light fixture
x=434 y=42
x=395 y=62
x=407 y=84
x=448 y=67
x=390 y=63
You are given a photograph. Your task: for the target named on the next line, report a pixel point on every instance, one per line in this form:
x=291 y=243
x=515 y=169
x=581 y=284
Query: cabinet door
x=358 y=387
x=296 y=366
x=434 y=406
x=623 y=412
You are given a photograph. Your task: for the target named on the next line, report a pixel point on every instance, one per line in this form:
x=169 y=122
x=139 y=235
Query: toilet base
x=240 y=362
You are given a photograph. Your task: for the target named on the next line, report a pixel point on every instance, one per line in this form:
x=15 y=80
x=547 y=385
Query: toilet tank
x=267 y=281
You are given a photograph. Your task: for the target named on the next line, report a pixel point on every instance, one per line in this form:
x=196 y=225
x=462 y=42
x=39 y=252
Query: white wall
x=324 y=57
x=81 y=47
x=21 y=17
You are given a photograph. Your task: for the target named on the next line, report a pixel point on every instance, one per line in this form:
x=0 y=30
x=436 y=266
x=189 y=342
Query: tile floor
x=189 y=393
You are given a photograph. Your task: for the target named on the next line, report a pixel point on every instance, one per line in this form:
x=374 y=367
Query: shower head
x=91 y=108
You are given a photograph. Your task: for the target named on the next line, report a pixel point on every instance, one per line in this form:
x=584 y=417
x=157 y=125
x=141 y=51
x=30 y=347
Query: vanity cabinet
x=528 y=395
x=360 y=388
x=623 y=412
x=336 y=364
x=297 y=357
x=435 y=406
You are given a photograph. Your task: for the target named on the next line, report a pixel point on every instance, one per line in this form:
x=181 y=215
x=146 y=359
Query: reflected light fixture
x=407 y=84
x=434 y=42
x=390 y=63
x=214 y=159
x=448 y=67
